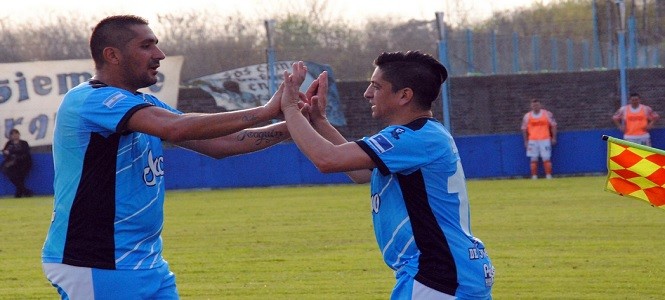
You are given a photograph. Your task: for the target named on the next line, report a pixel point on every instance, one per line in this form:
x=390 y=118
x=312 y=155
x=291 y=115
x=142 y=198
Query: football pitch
x=548 y=239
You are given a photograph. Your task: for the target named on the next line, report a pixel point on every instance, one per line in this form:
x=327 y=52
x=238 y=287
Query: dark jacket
x=19 y=158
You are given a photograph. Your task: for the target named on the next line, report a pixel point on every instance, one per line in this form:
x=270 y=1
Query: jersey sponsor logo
x=489 y=275
x=153 y=170
x=111 y=101
x=376 y=203
x=395 y=133
x=381 y=143
x=477 y=253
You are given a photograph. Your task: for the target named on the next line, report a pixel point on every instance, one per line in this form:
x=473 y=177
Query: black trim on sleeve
x=122 y=125
x=375 y=158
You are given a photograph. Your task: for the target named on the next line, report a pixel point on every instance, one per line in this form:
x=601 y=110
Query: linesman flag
x=635 y=171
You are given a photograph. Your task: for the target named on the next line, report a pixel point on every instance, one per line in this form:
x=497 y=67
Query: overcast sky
x=353 y=10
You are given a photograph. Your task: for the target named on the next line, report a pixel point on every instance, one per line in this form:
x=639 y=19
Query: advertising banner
x=249 y=87
x=31 y=92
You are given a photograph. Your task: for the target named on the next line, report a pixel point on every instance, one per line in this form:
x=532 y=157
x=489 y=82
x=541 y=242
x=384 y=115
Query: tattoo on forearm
x=249 y=118
x=262 y=137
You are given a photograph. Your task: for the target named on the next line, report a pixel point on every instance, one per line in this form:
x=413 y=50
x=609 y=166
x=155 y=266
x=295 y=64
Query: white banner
x=31 y=92
x=248 y=87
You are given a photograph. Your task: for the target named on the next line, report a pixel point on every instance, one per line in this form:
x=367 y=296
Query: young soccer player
x=419 y=203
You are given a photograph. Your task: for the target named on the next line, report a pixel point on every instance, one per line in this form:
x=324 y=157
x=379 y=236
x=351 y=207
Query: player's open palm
x=316 y=97
x=292 y=82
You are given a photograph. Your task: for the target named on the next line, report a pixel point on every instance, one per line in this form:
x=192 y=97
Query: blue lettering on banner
x=381 y=143
x=23 y=84
x=41 y=85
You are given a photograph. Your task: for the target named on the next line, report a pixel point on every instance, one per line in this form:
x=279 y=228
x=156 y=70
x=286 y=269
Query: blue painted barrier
x=485 y=156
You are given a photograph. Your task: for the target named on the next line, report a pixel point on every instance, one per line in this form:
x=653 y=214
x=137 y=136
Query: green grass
x=548 y=239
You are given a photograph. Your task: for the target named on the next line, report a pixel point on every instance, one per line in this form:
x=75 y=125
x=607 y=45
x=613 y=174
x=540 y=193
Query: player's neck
x=411 y=118
x=113 y=81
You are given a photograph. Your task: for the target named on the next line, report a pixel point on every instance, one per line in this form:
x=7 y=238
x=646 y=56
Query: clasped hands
x=312 y=103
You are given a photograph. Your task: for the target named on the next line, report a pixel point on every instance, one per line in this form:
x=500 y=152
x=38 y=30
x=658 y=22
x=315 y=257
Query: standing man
x=635 y=120
x=419 y=202
x=104 y=241
x=539 y=132
x=17 y=162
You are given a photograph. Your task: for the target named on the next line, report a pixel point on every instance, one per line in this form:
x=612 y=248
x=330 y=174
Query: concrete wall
x=495 y=104
x=579 y=101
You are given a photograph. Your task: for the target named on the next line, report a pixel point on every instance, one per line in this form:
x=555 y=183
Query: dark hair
x=416 y=70
x=14 y=130
x=634 y=94
x=113 y=31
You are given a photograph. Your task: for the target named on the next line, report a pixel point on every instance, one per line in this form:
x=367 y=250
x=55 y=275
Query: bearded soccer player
x=105 y=240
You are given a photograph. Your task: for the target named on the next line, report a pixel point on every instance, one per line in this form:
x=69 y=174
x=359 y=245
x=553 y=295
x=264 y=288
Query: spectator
x=17 y=163
x=539 y=132
x=635 y=120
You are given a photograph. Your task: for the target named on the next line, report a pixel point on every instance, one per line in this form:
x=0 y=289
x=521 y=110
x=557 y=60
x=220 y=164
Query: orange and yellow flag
x=636 y=171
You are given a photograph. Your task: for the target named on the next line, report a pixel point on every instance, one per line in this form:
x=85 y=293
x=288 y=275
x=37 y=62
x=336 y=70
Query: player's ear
x=111 y=55
x=406 y=95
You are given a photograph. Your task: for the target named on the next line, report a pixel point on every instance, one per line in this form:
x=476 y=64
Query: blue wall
x=490 y=156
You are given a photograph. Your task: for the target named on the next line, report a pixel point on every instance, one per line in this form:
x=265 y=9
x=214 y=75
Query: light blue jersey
x=420 y=210
x=109 y=184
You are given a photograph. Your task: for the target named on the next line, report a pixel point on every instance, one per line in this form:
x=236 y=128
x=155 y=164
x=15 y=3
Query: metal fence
x=488 y=53
x=469 y=53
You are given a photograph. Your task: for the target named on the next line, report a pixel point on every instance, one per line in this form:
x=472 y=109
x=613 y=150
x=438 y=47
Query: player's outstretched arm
x=324 y=154
x=317 y=101
x=176 y=128
x=244 y=141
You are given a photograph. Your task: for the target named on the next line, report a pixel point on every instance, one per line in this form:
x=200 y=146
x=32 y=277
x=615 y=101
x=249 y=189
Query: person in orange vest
x=539 y=131
x=635 y=120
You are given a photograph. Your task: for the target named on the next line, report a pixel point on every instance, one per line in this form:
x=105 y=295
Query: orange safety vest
x=538 y=128
x=636 y=122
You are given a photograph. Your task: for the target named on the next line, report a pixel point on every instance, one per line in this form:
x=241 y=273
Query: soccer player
x=635 y=120
x=539 y=132
x=419 y=202
x=104 y=241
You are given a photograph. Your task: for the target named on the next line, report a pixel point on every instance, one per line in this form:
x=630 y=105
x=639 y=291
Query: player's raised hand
x=316 y=96
x=292 y=82
x=274 y=104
